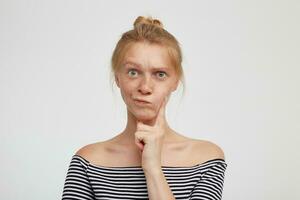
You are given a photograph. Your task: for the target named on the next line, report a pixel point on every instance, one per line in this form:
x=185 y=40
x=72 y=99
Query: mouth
x=141 y=102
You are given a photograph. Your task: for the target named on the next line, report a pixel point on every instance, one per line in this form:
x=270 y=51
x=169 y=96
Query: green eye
x=162 y=73
x=131 y=71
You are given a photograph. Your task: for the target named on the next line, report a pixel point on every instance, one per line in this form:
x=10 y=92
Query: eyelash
x=157 y=72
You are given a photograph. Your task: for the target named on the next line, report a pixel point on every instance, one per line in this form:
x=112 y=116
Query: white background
x=241 y=62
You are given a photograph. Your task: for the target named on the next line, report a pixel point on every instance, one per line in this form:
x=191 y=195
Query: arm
x=157 y=186
x=77 y=185
x=210 y=185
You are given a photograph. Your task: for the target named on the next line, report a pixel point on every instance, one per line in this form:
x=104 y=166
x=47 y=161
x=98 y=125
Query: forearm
x=157 y=186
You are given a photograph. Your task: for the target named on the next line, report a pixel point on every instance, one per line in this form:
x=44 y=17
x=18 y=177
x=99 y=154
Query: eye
x=162 y=74
x=131 y=70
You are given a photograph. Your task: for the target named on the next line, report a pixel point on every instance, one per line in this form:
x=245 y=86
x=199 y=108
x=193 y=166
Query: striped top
x=85 y=180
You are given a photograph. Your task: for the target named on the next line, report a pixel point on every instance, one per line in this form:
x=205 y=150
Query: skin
x=147 y=139
x=146 y=74
x=138 y=78
x=147 y=125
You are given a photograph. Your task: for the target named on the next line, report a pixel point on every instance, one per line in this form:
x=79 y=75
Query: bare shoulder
x=208 y=150
x=103 y=153
x=91 y=151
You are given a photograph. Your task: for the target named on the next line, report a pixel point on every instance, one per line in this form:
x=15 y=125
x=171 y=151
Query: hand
x=149 y=139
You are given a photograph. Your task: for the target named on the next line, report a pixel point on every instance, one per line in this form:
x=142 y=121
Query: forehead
x=148 y=55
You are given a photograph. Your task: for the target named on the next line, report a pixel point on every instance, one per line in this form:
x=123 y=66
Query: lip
x=140 y=101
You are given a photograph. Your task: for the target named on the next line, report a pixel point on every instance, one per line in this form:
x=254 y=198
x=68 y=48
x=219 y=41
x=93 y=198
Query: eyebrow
x=139 y=65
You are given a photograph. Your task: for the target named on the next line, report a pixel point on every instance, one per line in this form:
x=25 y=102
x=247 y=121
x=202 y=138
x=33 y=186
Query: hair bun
x=147 y=20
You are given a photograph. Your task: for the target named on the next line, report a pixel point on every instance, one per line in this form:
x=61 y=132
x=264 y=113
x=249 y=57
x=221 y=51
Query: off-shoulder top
x=85 y=180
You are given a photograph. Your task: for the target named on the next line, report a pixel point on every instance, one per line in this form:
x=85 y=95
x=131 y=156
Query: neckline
x=163 y=166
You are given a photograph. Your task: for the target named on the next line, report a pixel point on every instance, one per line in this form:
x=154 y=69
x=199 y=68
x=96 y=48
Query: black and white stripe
x=87 y=181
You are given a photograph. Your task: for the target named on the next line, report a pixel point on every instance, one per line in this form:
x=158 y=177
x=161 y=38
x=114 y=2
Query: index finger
x=161 y=113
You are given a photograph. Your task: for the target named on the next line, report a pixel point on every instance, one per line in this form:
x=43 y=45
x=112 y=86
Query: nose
x=145 y=86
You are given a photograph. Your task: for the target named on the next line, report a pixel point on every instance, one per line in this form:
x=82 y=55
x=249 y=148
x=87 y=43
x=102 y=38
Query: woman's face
x=147 y=75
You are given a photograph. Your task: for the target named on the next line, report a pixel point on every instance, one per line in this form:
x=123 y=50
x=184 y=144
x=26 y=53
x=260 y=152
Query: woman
x=148 y=160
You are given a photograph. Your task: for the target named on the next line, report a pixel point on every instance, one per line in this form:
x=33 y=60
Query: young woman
x=148 y=159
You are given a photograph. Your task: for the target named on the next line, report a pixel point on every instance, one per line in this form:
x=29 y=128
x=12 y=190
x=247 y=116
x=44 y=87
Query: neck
x=127 y=136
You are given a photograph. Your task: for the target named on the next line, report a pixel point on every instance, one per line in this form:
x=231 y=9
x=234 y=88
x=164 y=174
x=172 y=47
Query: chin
x=144 y=115
x=144 y=119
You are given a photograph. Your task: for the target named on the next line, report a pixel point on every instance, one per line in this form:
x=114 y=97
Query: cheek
x=164 y=91
x=126 y=90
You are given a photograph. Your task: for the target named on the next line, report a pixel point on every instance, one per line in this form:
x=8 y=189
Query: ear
x=175 y=85
x=117 y=80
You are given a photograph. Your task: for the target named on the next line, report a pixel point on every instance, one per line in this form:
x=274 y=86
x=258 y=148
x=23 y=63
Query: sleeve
x=77 y=185
x=210 y=184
